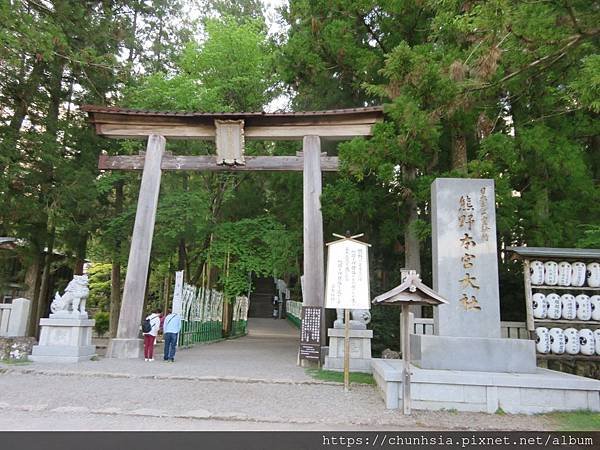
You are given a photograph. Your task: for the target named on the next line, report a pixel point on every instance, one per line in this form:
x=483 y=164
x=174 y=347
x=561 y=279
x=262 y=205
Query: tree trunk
x=412 y=252
x=80 y=256
x=459 y=151
x=182 y=258
x=115 y=297
x=115 y=274
x=25 y=95
x=42 y=300
x=33 y=281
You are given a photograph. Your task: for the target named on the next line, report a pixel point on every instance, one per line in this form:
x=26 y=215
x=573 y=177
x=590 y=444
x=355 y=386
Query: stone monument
x=466 y=365
x=465 y=271
x=66 y=336
x=360 y=342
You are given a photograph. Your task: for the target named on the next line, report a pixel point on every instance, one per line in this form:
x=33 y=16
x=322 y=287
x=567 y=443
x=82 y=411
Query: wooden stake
x=406 y=358
x=346 y=350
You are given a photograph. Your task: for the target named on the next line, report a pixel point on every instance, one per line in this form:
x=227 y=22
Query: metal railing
x=202 y=311
x=294 y=312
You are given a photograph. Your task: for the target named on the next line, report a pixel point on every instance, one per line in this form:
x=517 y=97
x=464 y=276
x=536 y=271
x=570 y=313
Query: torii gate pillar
x=314 y=275
x=127 y=344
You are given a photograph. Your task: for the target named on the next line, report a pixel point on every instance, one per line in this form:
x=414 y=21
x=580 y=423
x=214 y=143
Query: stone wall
x=16 y=348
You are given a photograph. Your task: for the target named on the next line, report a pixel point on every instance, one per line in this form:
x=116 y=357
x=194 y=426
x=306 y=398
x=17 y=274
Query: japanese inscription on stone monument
x=468 y=283
x=465 y=266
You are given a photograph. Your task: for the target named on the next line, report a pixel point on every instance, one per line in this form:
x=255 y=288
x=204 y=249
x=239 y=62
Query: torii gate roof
x=330 y=124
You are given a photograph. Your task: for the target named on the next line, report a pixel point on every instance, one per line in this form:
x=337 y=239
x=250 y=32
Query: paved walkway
x=249 y=383
x=268 y=352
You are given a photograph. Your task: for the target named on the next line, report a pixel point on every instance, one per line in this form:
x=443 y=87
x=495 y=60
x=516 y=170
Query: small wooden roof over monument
x=334 y=124
x=411 y=291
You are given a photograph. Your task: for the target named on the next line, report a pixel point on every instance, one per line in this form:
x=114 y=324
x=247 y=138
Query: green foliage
x=230 y=71
x=99 y=286
x=261 y=246
x=575 y=420
x=338 y=377
x=102 y=322
x=586 y=86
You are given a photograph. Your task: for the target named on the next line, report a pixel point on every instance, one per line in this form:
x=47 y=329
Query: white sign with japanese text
x=347 y=275
x=178 y=293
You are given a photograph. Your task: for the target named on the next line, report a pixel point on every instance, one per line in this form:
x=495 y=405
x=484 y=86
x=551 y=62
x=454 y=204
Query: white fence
x=14 y=317
x=294 y=309
x=512 y=330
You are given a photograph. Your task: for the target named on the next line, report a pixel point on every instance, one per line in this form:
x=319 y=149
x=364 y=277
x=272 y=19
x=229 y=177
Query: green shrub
x=102 y=322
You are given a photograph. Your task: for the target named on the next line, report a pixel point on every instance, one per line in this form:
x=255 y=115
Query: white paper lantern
x=571 y=341
x=593 y=274
x=586 y=342
x=584 y=307
x=554 y=306
x=542 y=341
x=578 y=274
x=540 y=306
x=595 y=304
x=550 y=273
x=564 y=273
x=597 y=341
x=569 y=309
x=557 y=341
x=536 y=269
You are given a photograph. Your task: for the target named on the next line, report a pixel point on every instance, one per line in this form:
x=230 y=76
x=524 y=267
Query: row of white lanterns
x=566 y=306
x=564 y=273
x=570 y=341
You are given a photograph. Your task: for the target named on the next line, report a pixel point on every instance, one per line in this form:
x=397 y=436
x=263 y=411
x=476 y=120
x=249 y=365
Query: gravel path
x=251 y=383
x=268 y=352
x=238 y=404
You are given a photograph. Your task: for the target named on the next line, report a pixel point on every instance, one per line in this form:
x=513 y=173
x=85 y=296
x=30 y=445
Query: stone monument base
x=540 y=392
x=64 y=339
x=125 y=348
x=360 y=350
x=472 y=354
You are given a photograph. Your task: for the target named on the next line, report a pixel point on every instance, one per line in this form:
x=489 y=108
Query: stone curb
x=192 y=415
x=205 y=378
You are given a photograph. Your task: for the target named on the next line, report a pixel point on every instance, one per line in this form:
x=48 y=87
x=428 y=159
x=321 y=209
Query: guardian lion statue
x=360 y=319
x=74 y=298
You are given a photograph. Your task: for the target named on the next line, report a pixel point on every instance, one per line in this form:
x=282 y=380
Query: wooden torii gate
x=229 y=130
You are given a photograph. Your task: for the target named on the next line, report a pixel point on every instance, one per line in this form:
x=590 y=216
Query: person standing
x=150 y=336
x=171 y=328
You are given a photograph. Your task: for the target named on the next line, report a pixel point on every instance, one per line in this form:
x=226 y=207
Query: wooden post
x=314 y=276
x=528 y=299
x=127 y=344
x=346 y=350
x=406 y=358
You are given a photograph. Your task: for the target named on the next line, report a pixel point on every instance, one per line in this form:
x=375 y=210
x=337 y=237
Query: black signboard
x=310 y=333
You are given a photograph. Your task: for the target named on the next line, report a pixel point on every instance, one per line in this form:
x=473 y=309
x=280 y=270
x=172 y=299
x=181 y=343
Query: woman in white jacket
x=150 y=336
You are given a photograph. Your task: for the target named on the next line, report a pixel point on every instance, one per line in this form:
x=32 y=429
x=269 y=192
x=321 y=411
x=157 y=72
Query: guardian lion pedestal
x=66 y=336
x=360 y=342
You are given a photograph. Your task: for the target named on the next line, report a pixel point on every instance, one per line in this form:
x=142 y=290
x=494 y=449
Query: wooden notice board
x=310 y=333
